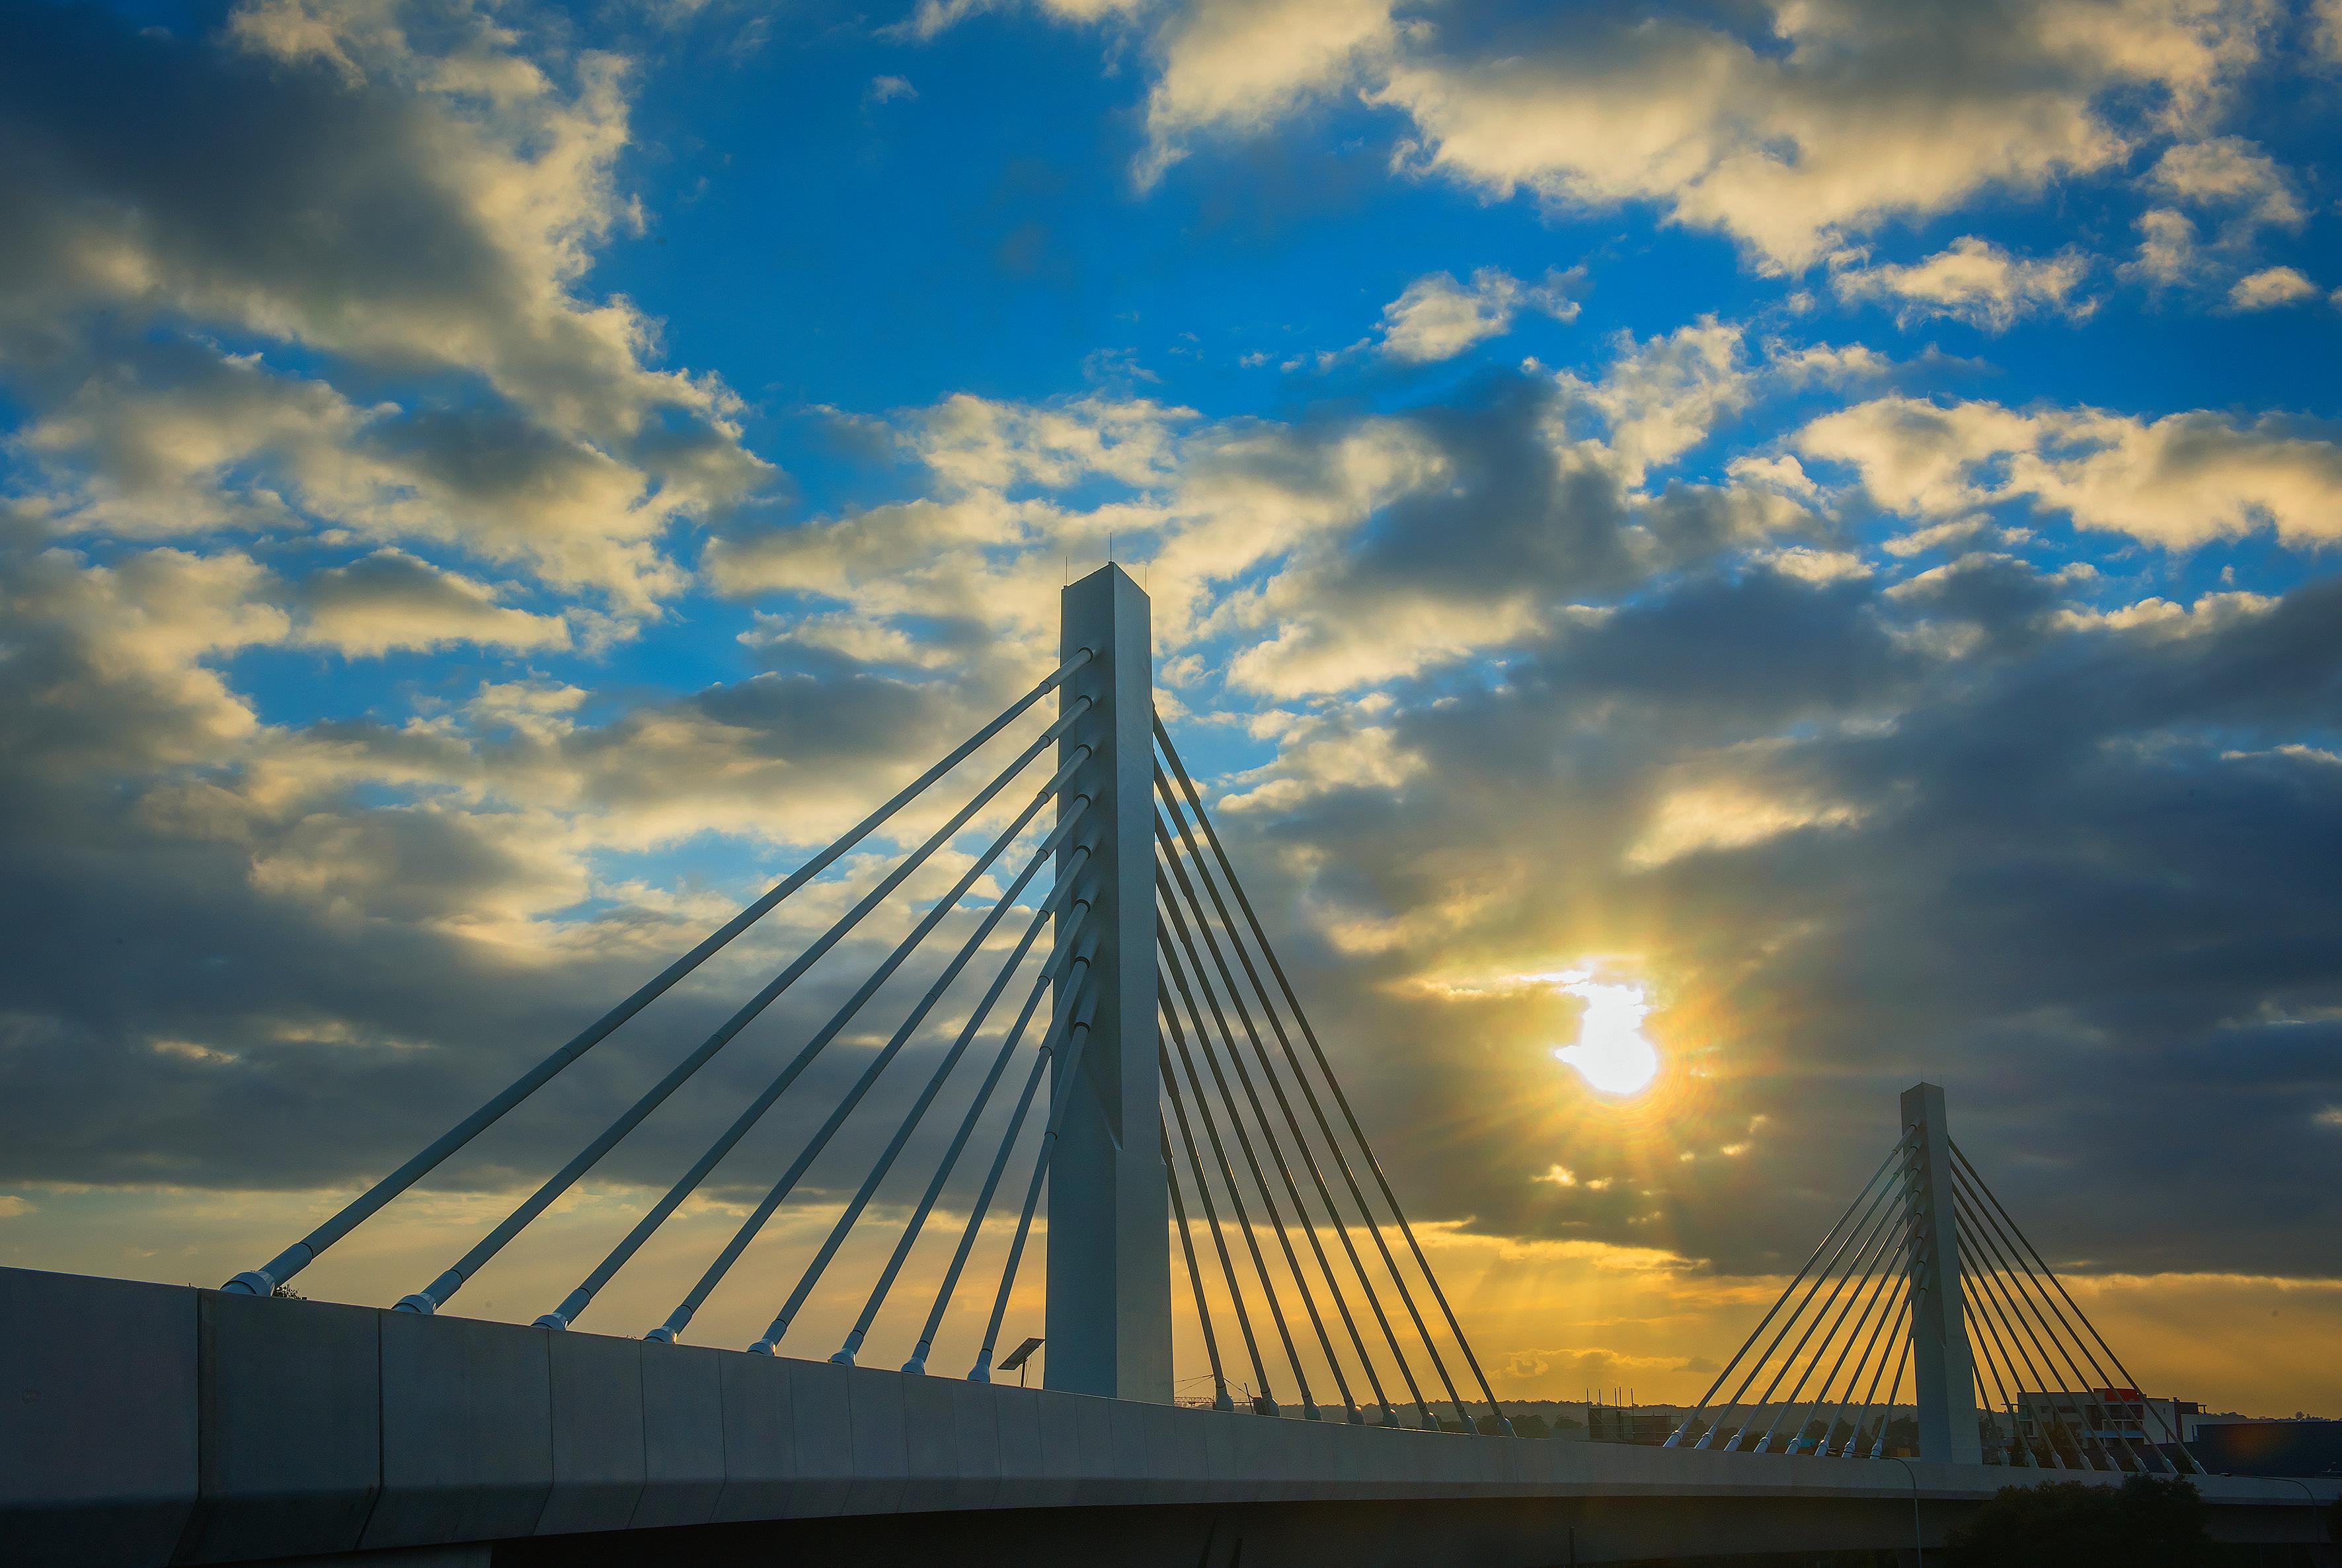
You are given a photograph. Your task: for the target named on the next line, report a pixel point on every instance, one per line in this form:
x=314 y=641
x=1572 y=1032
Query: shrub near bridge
x=2149 y=1522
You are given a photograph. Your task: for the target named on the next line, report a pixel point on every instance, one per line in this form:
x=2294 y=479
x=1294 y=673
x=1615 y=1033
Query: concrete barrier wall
x=148 y=1425
x=98 y=1410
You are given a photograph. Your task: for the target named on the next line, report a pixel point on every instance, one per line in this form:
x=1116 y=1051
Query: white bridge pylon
x=1926 y=1273
x=1146 y=1066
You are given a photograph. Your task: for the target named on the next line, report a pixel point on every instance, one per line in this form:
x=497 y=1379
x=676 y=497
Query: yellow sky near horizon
x=1548 y=1319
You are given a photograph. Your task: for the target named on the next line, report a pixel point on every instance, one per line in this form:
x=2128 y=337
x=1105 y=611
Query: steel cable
x=1886 y=1416
x=749 y=1228
x=1075 y=1039
x=1220 y=1400
x=1341 y=1100
x=1888 y=1266
x=1990 y=1361
x=2000 y=1270
x=1204 y=1194
x=1995 y=1207
x=1060 y=958
x=1245 y=1144
x=838 y=1232
x=1997 y=1263
x=1862 y=1226
x=1227 y=1172
x=1203 y=875
x=301 y=1253
x=2004 y=1312
x=1267 y=1128
x=435 y=1294
x=1872 y=1247
x=1786 y=1291
x=2020 y=1367
x=577 y=1300
x=1999 y=1359
x=1052 y=1042
x=1902 y=1309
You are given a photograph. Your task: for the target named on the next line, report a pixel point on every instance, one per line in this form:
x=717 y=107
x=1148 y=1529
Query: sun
x=1611 y=1054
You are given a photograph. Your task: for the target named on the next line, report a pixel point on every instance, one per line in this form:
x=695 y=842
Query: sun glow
x=1611 y=1054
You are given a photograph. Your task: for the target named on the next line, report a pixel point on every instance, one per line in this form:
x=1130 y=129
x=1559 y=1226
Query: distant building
x=2113 y=1416
x=1648 y=1425
x=2095 y=1426
x=2234 y=1446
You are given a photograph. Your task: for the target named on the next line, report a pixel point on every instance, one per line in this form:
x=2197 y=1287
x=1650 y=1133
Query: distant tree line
x=2147 y=1521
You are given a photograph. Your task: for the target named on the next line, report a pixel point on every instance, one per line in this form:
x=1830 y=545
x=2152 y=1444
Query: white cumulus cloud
x=2177 y=481
x=2269 y=288
x=1438 y=318
x=1971 y=280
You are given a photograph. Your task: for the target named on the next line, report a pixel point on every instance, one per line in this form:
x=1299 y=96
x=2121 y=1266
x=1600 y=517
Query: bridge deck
x=150 y=1424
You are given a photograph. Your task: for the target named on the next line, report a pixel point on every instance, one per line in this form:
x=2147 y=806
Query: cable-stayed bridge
x=1104 y=1036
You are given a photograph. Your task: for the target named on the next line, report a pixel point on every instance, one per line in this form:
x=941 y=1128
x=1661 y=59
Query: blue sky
x=1824 y=513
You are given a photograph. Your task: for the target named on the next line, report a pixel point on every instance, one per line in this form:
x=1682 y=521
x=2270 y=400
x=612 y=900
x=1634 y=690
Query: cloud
x=2168 y=250
x=177 y=439
x=294 y=405
x=2241 y=187
x=2177 y=482
x=107 y=661
x=886 y=89
x=156 y=619
x=1343 y=550
x=1434 y=317
x=258 y=895
x=1788 y=126
x=448 y=203
x=1316 y=758
x=1661 y=397
x=977 y=566
x=1583 y=1364
x=1726 y=815
x=1972 y=280
x=392 y=600
x=2228 y=171
x=1846 y=114
x=934 y=16
x=974 y=443
x=500 y=291
x=1745 y=772
x=2271 y=286
x=1244 y=64
x=1662 y=785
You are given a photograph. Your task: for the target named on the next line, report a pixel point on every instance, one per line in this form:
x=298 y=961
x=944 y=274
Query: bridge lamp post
x=1015 y=1359
x=1918 y=1537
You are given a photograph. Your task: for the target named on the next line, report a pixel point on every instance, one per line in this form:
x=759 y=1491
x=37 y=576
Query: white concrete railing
x=148 y=1425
